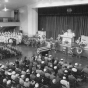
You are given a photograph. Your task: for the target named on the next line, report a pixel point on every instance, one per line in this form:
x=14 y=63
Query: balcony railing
x=9 y=20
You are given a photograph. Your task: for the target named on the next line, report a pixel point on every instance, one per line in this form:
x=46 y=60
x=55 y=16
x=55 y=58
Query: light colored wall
x=28 y=20
x=24 y=19
x=35 y=20
x=32 y=21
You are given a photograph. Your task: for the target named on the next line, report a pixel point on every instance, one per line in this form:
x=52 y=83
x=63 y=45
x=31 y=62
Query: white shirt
x=65 y=83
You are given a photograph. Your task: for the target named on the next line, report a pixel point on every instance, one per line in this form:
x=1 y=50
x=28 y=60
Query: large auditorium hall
x=43 y=44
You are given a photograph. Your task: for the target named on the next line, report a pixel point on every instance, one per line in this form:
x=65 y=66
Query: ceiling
x=15 y=4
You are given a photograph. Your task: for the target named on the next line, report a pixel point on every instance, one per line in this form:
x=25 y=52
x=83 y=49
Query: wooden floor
x=29 y=51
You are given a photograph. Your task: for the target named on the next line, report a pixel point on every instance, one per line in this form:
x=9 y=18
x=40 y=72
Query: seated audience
x=41 y=72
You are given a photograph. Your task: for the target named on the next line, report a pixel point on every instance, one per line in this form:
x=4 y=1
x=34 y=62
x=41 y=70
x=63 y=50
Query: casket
x=43 y=50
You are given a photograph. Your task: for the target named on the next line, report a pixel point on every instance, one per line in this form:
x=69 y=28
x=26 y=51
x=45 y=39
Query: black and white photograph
x=43 y=43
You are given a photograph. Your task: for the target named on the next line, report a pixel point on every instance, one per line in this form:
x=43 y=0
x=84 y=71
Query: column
x=32 y=21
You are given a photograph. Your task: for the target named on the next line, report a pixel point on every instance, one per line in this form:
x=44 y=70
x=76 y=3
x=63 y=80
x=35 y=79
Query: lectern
x=67 y=40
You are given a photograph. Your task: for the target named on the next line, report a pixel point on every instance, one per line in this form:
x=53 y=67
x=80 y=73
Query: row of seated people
x=5 y=36
x=42 y=72
x=8 y=51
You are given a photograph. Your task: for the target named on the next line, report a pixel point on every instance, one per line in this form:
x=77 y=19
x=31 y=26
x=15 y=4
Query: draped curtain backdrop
x=57 y=24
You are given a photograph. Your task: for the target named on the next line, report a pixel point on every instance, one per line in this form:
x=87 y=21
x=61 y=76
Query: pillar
x=32 y=21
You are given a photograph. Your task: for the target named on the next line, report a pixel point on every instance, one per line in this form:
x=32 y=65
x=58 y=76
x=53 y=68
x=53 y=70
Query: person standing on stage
x=69 y=33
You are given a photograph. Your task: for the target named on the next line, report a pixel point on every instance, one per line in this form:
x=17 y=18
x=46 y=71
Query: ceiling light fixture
x=5 y=9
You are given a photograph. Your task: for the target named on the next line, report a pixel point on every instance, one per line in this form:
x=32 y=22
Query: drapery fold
x=55 y=24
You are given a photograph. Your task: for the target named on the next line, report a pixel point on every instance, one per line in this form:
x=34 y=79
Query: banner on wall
x=84 y=40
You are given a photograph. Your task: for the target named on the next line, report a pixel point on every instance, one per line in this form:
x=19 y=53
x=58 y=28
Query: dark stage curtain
x=55 y=24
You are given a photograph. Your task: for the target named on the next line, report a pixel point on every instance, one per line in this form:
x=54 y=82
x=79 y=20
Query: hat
x=61 y=59
x=51 y=65
x=22 y=76
x=46 y=54
x=13 y=73
x=64 y=77
x=32 y=76
x=42 y=62
x=23 y=73
x=2 y=66
x=27 y=70
x=76 y=64
x=17 y=75
x=52 y=76
x=36 y=85
x=80 y=64
x=9 y=73
x=4 y=80
x=8 y=82
x=74 y=69
x=13 y=77
x=27 y=79
x=54 y=80
x=45 y=58
x=36 y=56
x=11 y=63
x=55 y=61
x=50 y=55
x=10 y=70
x=38 y=75
x=45 y=70
x=21 y=81
x=34 y=68
x=47 y=75
x=55 y=67
x=66 y=71
x=32 y=82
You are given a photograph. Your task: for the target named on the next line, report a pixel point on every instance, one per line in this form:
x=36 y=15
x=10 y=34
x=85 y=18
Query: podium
x=67 y=40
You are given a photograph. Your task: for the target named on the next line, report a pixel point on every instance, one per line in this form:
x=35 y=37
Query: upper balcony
x=8 y=19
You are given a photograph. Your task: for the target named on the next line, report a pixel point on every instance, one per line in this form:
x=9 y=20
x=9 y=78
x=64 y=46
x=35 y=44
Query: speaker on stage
x=43 y=51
